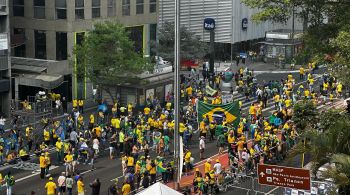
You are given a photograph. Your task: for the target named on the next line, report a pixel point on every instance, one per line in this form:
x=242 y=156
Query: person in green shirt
x=221 y=143
x=219 y=130
x=166 y=143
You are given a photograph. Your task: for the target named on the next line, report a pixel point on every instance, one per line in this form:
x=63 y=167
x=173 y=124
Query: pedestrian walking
x=69 y=185
x=10 y=182
x=95 y=187
x=80 y=186
x=61 y=182
x=201 y=147
x=51 y=187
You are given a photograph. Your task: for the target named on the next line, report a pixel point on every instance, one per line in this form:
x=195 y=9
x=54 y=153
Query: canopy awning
x=45 y=81
x=30 y=69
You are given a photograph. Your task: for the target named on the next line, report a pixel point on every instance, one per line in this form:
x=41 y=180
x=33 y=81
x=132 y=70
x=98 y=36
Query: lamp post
x=177 y=92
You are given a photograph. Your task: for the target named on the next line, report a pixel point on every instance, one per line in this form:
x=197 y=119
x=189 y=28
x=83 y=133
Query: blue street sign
x=209 y=24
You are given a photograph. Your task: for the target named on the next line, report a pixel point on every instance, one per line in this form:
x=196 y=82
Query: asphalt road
x=107 y=169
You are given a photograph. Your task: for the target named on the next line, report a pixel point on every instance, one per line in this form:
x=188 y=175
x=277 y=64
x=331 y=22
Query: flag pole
x=177 y=92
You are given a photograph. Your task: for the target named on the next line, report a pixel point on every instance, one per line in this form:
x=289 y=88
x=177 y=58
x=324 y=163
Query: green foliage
x=271 y=10
x=340 y=173
x=305 y=114
x=191 y=45
x=341 y=65
x=325 y=141
x=107 y=57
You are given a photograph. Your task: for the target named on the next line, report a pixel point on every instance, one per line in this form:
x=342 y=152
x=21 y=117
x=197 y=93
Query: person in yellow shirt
x=80 y=186
x=130 y=163
x=276 y=99
x=126 y=189
x=339 y=90
x=146 y=111
x=75 y=103
x=91 y=121
x=68 y=159
x=187 y=158
x=59 y=150
x=81 y=106
x=168 y=106
x=189 y=91
x=182 y=128
x=288 y=103
x=207 y=166
x=130 y=108
x=51 y=187
x=47 y=136
x=42 y=165
x=301 y=73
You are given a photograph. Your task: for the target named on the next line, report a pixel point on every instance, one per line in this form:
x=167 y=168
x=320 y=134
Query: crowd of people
x=141 y=138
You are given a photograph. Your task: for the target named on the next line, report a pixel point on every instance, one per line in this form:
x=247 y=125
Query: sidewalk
x=187 y=180
x=256 y=66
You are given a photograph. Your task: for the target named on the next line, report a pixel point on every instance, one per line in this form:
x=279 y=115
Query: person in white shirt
x=217 y=167
x=245 y=155
x=201 y=147
x=62 y=184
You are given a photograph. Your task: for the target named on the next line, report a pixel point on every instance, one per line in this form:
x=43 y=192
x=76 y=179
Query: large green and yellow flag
x=218 y=112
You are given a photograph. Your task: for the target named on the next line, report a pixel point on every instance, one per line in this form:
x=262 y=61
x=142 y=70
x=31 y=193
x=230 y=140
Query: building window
x=61 y=45
x=96 y=8
x=79 y=9
x=39 y=9
x=152 y=6
x=40 y=44
x=139 y=6
x=126 y=7
x=111 y=8
x=61 y=9
x=18 y=42
x=18 y=8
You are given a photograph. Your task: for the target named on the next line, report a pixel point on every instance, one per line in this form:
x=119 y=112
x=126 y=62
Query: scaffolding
x=31 y=111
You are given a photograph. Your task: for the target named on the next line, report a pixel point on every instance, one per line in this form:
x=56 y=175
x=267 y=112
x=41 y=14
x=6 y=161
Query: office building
x=48 y=30
x=235 y=32
x=5 y=67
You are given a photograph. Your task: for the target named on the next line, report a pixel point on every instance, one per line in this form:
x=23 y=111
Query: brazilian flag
x=218 y=112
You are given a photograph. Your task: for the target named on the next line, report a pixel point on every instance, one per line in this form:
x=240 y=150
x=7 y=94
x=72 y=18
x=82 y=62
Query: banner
x=181 y=156
x=210 y=91
x=218 y=112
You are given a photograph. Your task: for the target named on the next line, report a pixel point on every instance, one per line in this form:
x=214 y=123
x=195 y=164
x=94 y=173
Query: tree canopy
x=191 y=45
x=326 y=23
x=107 y=57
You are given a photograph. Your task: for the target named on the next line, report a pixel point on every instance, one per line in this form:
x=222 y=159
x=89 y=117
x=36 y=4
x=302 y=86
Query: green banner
x=210 y=91
x=218 y=112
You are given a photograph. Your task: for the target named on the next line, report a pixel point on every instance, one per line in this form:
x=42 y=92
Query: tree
x=341 y=65
x=107 y=57
x=322 y=40
x=191 y=45
x=326 y=141
x=305 y=114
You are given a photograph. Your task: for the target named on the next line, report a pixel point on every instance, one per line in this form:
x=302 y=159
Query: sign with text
x=289 y=177
x=209 y=24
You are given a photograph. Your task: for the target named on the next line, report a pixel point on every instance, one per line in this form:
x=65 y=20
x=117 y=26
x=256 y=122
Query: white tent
x=159 y=189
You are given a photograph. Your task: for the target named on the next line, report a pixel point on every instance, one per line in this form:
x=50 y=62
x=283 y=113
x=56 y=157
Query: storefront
x=279 y=45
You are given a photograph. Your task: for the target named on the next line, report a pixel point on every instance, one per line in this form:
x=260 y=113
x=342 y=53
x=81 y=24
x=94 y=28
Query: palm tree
x=328 y=142
x=340 y=173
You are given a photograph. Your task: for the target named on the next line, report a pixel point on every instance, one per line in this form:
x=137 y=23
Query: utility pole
x=293 y=31
x=177 y=93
